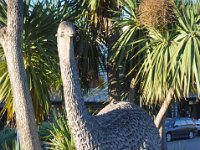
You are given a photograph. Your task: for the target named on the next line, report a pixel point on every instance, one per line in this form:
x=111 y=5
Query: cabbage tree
x=171 y=64
x=164 y=57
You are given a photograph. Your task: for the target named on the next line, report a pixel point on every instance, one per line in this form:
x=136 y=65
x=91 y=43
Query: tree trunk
x=132 y=92
x=112 y=69
x=159 y=120
x=12 y=45
x=113 y=82
x=164 y=108
x=163 y=137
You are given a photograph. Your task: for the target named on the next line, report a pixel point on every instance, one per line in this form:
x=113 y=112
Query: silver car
x=180 y=128
x=197 y=122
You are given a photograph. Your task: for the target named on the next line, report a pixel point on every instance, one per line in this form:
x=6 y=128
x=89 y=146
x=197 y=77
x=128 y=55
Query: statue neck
x=74 y=102
x=66 y=49
x=80 y=121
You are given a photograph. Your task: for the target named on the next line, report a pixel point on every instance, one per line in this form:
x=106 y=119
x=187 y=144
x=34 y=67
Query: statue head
x=66 y=29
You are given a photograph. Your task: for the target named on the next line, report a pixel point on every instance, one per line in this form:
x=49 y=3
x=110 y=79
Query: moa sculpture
x=118 y=126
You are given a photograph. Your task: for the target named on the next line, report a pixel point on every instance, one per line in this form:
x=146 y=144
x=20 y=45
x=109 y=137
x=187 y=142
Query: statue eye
x=62 y=34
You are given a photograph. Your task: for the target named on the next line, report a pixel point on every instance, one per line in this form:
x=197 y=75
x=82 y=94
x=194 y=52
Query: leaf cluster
x=156 y=13
x=57 y=135
x=160 y=58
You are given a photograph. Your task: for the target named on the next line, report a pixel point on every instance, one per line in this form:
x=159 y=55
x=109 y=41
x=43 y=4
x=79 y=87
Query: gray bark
x=11 y=41
x=164 y=108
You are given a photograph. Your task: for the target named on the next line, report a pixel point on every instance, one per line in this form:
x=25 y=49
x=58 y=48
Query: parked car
x=180 y=128
x=197 y=122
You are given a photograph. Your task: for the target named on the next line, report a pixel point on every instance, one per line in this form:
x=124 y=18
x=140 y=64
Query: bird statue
x=118 y=126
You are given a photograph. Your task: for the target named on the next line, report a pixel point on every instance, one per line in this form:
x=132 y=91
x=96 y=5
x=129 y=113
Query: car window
x=183 y=122
x=178 y=123
x=197 y=123
x=190 y=122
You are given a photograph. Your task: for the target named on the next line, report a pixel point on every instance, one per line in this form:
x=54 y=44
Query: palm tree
x=165 y=73
x=171 y=65
x=11 y=40
x=124 y=50
x=99 y=15
x=39 y=51
x=162 y=72
x=89 y=54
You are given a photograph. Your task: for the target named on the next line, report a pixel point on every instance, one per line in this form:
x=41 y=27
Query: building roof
x=97 y=95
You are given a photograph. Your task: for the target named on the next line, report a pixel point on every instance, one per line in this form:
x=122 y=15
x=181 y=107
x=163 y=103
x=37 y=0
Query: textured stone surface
x=118 y=126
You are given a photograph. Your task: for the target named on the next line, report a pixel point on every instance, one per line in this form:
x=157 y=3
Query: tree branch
x=2 y=34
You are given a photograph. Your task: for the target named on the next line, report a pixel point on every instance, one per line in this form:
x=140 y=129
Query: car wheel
x=168 y=137
x=191 y=135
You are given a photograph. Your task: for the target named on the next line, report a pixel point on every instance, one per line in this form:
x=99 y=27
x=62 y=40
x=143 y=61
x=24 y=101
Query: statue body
x=118 y=126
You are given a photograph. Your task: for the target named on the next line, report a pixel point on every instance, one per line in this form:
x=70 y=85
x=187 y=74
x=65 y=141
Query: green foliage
x=89 y=53
x=188 y=54
x=53 y=135
x=14 y=145
x=125 y=49
x=41 y=19
x=172 y=57
x=155 y=72
x=161 y=59
x=40 y=54
x=57 y=135
x=96 y=12
x=8 y=139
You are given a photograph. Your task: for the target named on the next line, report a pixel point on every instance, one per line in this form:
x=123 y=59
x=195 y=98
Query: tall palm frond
x=188 y=54
x=131 y=40
x=97 y=12
x=155 y=73
x=90 y=54
x=89 y=44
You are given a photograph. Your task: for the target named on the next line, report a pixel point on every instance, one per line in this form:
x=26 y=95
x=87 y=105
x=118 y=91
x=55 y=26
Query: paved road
x=185 y=144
